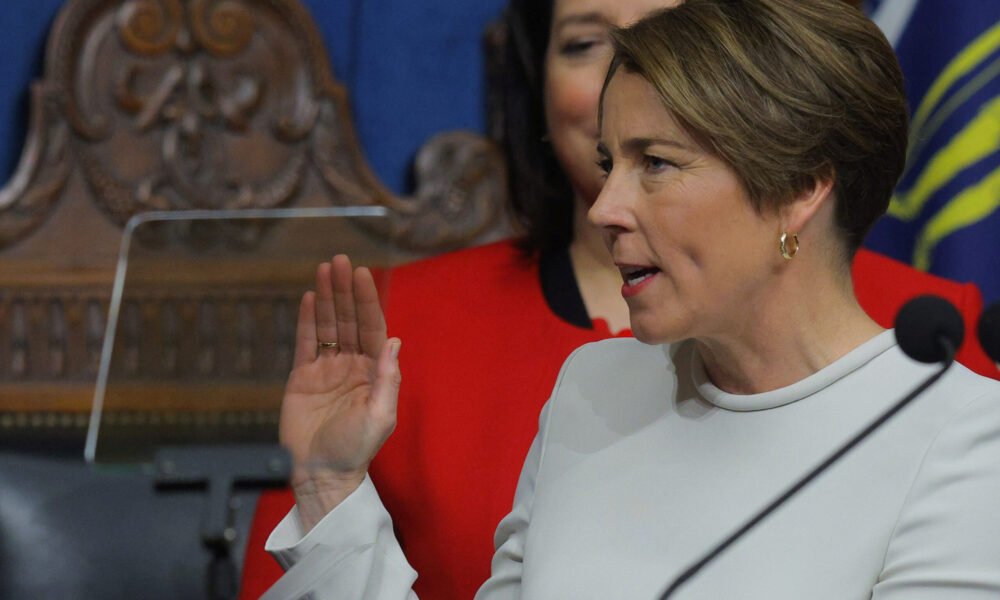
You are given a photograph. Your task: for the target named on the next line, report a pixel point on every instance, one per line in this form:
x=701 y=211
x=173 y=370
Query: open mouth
x=633 y=276
x=636 y=278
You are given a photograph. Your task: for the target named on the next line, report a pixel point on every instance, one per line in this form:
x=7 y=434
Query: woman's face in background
x=576 y=62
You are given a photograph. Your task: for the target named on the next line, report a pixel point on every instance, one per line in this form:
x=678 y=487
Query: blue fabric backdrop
x=944 y=216
x=414 y=68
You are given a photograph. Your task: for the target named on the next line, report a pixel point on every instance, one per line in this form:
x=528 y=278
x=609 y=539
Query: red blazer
x=447 y=474
x=882 y=285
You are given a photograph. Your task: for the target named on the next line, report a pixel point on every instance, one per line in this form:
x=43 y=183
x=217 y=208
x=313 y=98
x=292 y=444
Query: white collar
x=819 y=380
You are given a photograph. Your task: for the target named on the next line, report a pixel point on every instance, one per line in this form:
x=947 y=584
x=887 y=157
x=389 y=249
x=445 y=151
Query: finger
x=371 y=321
x=385 y=390
x=305 y=330
x=343 y=303
x=326 y=318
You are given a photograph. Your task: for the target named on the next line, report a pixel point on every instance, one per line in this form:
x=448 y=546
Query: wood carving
x=173 y=104
x=32 y=192
x=194 y=104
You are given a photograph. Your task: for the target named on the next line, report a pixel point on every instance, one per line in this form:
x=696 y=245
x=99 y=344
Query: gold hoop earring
x=782 y=245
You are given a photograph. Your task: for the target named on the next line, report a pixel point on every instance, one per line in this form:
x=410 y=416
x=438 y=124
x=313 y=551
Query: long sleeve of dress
x=946 y=543
x=350 y=554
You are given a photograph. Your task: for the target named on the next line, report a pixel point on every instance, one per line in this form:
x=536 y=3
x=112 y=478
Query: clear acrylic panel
x=201 y=323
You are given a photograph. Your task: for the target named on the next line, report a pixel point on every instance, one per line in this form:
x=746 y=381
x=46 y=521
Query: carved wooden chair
x=195 y=104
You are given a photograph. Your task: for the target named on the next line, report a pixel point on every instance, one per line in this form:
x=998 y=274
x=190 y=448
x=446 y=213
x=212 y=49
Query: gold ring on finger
x=324 y=345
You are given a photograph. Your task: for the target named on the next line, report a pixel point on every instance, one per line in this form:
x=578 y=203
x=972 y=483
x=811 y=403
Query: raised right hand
x=340 y=403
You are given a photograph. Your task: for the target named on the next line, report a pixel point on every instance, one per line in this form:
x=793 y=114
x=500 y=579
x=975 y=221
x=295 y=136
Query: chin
x=656 y=335
x=653 y=325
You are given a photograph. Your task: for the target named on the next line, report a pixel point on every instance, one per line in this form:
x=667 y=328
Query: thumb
x=385 y=390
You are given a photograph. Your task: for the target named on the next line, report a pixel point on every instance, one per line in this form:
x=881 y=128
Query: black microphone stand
x=804 y=481
x=218 y=470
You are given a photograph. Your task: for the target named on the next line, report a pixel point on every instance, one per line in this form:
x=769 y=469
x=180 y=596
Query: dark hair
x=541 y=196
x=786 y=92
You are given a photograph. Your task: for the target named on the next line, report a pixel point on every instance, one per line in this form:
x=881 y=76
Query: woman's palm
x=340 y=400
x=328 y=418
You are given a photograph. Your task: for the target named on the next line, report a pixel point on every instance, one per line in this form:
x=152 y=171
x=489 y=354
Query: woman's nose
x=610 y=209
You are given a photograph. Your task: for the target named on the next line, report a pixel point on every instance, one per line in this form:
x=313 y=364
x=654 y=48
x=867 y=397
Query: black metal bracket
x=218 y=471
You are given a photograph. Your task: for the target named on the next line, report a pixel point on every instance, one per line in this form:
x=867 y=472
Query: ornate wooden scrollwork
x=171 y=104
x=193 y=104
x=32 y=192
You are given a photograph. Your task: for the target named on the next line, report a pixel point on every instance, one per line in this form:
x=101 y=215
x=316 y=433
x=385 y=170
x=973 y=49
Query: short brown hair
x=786 y=92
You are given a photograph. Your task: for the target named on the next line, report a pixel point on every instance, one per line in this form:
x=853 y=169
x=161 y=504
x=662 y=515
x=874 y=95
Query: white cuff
x=351 y=553
x=352 y=523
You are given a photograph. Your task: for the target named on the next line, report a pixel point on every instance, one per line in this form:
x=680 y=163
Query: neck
x=809 y=319
x=596 y=275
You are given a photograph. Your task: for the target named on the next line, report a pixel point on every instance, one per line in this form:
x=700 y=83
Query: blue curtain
x=414 y=68
x=944 y=217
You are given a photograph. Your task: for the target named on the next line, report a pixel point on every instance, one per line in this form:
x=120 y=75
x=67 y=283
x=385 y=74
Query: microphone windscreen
x=989 y=332
x=923 y=323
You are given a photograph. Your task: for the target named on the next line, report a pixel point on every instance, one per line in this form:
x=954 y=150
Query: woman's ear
x=803 y=208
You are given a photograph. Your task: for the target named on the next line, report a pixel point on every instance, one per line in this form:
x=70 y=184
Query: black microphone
x=924 y=327
x=928 y=329
x=989 y=332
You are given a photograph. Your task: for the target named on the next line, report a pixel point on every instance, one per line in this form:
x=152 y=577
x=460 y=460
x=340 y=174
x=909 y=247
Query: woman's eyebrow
x=640 y=144
x=588 y=18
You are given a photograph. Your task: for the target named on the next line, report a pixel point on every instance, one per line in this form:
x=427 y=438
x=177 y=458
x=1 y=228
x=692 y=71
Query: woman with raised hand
x=748 y=146
x=447 y=474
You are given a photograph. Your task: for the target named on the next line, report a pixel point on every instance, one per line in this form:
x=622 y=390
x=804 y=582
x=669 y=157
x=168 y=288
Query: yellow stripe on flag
x=978 y=139
x=963 y=63
x=972 y=205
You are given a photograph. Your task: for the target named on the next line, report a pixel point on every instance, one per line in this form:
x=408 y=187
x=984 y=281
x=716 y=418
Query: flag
x=945 y=214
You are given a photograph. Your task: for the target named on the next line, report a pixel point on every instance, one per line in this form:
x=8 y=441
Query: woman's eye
x=575 y=47
x=605 y=165
x=656 y=164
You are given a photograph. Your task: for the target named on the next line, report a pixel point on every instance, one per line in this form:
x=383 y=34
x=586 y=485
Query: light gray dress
x=641 y=464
